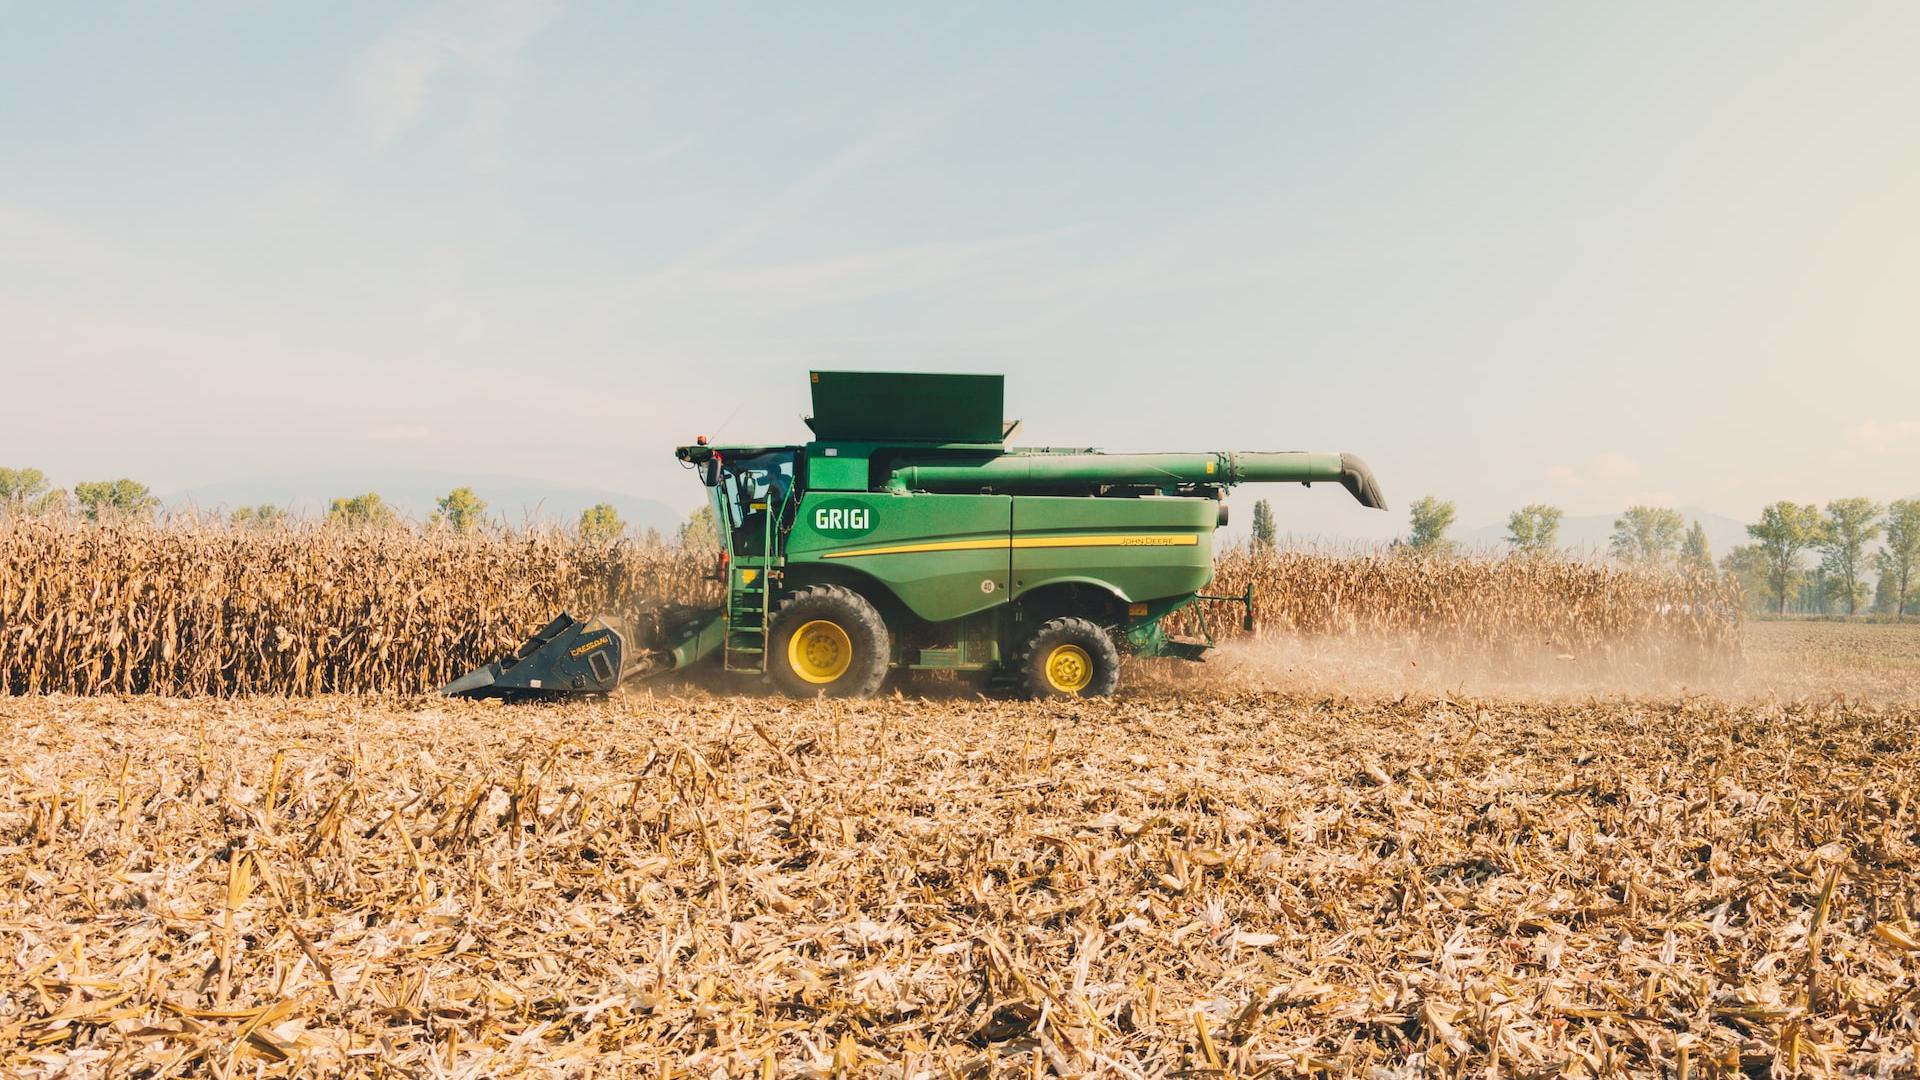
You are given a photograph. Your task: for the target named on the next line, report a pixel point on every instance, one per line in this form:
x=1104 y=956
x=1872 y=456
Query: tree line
x=1773 y=571
x=26 y=492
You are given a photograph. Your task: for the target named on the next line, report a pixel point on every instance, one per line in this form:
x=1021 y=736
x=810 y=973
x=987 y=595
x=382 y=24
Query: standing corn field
x=1507 y=612
x=191 y=609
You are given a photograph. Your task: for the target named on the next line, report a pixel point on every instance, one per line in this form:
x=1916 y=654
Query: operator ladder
x=748 y=609
x=747 y=623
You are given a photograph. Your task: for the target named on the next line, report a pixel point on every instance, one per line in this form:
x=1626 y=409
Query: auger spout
x=1017 y=472
x=1254 y=467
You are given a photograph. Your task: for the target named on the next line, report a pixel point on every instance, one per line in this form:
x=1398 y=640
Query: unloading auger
x=906 y=535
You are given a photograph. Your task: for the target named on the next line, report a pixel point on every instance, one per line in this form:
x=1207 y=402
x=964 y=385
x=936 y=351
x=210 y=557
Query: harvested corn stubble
x=1213 y=880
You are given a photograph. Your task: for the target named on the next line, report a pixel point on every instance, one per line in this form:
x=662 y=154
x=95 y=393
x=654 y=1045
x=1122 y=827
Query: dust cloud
x=1775 y=660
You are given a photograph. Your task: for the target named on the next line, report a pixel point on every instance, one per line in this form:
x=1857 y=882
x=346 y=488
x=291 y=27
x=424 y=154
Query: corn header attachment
x=907 y=535
x=569 y=657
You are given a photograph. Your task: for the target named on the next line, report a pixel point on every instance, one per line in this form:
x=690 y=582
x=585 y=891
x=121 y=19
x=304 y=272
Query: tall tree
x=1647 y=534
x=1784 y=530
x=264 y=516
x=1534 y=529
x=1884 y=602
x=1900 y=558
x=1850 y=526
x=460 y=509
x=362 y=511
x=699 y=530
x=1694 y=553
x=20 y=489
x=601 y=523
x=1817 y=591
x=1747 y=565
x=1430 y=520
x=123 y=498
x=1264 y=533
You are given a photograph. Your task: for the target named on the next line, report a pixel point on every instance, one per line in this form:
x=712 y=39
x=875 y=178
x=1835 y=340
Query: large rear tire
x=828 y=640
x=1069 y=658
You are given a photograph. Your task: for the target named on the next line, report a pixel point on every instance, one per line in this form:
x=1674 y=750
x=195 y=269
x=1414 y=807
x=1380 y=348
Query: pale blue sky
x=1508 y=253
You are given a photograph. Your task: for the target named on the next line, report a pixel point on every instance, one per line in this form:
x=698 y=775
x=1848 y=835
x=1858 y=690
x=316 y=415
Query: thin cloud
x=1602 y=471
x=400 y=433
x=1879 y=437
x=854 y=276
x=1606 y=482
x=904 y=121
x=36 y=241
x=793 y=199
x=399 y=71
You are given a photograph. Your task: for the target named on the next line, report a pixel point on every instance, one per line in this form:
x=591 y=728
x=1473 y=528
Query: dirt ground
x=1873 y=660
x=1215 y=879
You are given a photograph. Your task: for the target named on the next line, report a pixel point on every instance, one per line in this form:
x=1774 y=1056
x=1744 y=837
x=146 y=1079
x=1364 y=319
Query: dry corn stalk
x=1500 y=612
x=192 y=609
x=187 y=609
x=1213 y=881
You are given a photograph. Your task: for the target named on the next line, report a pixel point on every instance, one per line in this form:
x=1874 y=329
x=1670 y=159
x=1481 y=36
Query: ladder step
x=748 y=608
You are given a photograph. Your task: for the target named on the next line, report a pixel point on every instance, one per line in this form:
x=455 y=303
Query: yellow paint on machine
x=591 y=645
x=1110 y=540
x=1144 y=540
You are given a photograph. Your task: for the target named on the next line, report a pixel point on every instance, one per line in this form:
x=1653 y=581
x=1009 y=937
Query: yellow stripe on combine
x=902 y=549
x=1136 y=540
x=1145 y=540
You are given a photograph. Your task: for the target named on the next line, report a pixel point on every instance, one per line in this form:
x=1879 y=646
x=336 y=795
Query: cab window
x=754 y=488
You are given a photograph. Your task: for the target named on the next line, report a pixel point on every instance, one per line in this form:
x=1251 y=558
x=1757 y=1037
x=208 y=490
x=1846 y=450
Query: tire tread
x=1083 y=632
x=840 y=603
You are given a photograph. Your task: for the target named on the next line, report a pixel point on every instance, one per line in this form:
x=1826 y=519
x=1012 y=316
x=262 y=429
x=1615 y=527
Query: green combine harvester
x=906 y=536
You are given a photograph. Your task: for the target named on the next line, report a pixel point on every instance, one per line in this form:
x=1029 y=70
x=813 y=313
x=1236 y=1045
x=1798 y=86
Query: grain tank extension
x=907 y=535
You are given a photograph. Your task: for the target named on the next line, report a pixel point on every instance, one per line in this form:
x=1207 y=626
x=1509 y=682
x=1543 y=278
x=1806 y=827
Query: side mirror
x=710 y=472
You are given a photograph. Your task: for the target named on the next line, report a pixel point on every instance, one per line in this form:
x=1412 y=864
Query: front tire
x=828 y=640
x=1069 y=658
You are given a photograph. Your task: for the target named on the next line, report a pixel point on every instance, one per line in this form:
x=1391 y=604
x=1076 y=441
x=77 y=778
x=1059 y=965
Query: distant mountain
x=515 y=500
x=1591 y=533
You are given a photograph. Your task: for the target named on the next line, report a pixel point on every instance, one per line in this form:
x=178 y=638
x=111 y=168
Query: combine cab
x=906 y=535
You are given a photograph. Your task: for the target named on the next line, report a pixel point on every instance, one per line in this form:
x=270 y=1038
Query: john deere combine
x=906 y=535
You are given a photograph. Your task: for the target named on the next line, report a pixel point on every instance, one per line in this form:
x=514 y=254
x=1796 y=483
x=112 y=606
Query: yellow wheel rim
x=820 y=651
x=1069 y=669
